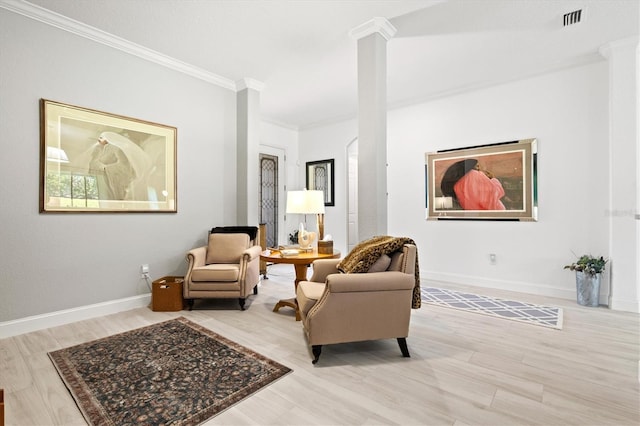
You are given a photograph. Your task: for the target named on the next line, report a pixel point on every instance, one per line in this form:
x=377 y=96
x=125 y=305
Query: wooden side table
x=263 y=244
x=301 y=263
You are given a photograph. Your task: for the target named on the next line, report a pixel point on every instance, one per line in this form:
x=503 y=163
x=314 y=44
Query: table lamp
x=307 y=202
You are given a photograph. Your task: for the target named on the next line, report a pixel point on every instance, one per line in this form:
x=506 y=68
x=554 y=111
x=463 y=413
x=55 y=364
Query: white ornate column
x=624 y=157
x=248 y=141
x=372 y=37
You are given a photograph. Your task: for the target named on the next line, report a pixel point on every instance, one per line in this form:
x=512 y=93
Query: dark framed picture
x=96 y=162
x=320 y=177
x=495 y=181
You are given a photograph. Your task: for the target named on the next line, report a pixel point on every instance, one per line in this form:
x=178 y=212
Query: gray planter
x=588 y=288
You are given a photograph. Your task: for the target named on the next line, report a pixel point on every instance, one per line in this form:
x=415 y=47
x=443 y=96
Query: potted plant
x=588 y=270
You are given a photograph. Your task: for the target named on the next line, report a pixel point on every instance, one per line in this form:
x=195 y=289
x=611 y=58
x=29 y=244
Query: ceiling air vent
x=572 y=17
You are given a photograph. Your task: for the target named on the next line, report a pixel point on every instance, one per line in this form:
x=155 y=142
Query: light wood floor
x=465 y=369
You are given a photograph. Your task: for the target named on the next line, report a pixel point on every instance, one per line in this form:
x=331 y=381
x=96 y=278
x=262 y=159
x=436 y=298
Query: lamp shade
x=305 y=202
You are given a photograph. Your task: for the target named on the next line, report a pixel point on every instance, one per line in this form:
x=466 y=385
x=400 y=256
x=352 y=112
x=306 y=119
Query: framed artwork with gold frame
x=96 y=162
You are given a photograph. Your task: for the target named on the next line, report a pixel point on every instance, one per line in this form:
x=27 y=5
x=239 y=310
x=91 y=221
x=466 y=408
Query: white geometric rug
x=544 y=316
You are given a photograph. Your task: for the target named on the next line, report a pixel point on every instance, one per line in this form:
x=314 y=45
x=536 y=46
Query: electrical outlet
x=492 y=258
x=144 y=270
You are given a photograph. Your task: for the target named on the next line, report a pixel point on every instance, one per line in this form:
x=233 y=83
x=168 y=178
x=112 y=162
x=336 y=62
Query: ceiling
x=302 y=52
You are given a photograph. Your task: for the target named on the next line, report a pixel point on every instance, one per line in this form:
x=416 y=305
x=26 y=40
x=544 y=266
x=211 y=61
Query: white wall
x=52 y=262
x=276 y=140
x=566 y=111
x=322 y=143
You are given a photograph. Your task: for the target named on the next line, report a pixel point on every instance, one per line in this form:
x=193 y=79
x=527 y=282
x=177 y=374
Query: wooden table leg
x=301 y=275
x=291 y=303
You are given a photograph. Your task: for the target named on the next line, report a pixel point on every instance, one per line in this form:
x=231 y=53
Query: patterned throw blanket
x=365 y=254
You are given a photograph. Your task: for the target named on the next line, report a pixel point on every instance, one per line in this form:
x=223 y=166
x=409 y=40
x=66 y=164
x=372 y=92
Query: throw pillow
x=381 y=264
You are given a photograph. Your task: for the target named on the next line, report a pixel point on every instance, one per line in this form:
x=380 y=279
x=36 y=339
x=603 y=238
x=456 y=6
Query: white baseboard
x=626 y=306
x=530 y=288
x=517 y=286
x=54 y=319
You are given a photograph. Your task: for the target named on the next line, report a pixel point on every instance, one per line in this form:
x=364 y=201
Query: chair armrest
x=322 y=268
x=370 y=281
x=252 y=253
x=197 y=256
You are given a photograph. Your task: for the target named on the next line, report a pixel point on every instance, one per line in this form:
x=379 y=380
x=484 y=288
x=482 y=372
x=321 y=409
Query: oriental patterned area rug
x=175 y=372
x=544 y=316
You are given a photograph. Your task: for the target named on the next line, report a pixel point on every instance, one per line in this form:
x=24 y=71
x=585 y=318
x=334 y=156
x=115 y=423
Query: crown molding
x=376 y=25
x=249 y=83
x=62 y=22
x=625 y=43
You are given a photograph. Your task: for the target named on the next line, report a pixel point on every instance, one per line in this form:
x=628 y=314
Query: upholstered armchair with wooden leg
x=348 y=307
x=227 y=267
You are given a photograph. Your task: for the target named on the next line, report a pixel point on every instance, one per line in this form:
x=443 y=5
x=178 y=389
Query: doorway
x=271 y=163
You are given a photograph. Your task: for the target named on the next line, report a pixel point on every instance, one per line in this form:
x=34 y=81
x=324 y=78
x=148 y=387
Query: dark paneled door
x=269 y=197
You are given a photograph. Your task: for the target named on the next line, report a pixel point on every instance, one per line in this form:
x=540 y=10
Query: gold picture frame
x=495 y=182
x=96 y=162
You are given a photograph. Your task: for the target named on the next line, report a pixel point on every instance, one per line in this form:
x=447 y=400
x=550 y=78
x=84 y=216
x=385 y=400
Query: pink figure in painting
x=471 y=187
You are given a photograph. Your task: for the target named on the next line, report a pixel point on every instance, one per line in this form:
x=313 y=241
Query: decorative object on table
x=321 y=177
x=96 y=162
x=306 y=238
x=289 y=252
x=350 y=307
x=588 y=270
x=227 y=267
x=307 y=202
x=545 y=316
x=174 y=372
x=492 y=182
x=325 y=246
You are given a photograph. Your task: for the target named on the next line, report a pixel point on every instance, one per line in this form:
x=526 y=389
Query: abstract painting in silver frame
x=495 y=181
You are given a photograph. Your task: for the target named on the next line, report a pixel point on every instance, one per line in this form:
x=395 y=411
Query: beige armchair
x=227 y=267
x=337 y=307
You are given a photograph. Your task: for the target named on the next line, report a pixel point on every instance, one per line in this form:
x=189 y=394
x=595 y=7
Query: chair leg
x=190 y=303
x=402 y=342
x=316 y=349
x=241 y=300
